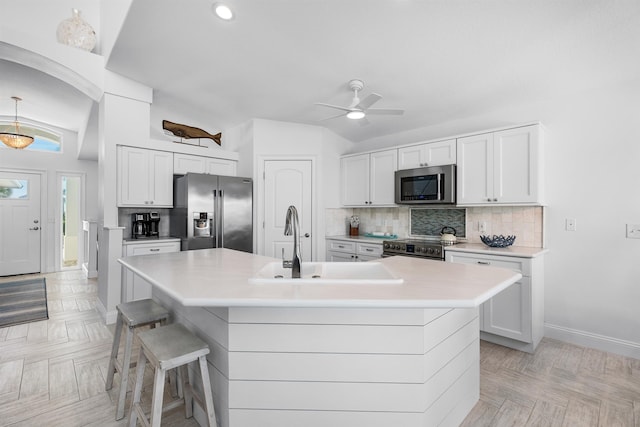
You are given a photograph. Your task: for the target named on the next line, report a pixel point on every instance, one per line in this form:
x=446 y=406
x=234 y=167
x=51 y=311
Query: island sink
x=326 y=273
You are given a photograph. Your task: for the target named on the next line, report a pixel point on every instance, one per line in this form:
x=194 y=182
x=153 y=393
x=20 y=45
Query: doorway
x=71 y=243
x=287 y=182
x=20 y=227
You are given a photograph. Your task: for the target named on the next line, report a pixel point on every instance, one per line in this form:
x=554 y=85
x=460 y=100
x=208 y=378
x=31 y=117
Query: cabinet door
x=161 y=178
x=369 y=250
x=508 y=314
x=333 y=256
x=440 y=153
x=411 y=157
x=382 y=166
x=133 y=177
x=475 y=169
x=516 y=163
x=220 y=167
x=185 y=163
x=354 y=171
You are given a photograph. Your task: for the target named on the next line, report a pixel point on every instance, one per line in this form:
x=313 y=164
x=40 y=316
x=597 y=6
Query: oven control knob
x=386 y=246
x=430 y=250
x=438 y=251
x=396 y=247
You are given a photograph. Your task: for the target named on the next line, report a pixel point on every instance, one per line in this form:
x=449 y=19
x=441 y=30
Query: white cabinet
x=133 y=286
x=515 y=316
x=428 y=154
x=501 y=168
x=184 y=163
x=368 y=179
x=352 y=251
x=144 y=178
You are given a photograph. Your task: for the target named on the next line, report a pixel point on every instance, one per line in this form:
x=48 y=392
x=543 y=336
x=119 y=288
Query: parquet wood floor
x=52 y=373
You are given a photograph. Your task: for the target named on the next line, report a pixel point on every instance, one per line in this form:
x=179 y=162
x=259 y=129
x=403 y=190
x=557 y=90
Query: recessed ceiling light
x=222 y=11
x=355 y=115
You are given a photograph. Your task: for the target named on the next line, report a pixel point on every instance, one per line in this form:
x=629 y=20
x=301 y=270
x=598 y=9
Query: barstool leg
x=137 y=390
x=114 y=353
x=186 y=390
x=124 y=375
x=208 y=395
x=158 y=391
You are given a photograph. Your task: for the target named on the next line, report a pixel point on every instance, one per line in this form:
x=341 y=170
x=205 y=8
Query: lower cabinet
x=515 y=316
x=134 y=287
x=352 y=251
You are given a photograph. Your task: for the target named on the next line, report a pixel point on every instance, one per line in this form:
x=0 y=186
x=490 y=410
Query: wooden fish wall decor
x=190 y=132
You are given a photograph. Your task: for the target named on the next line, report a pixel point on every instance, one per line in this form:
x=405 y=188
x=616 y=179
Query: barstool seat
x=133 y=314
x=166 y=348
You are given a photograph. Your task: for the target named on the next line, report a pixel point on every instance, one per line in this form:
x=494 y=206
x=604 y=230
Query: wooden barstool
x=133 y=314
x=166 y=348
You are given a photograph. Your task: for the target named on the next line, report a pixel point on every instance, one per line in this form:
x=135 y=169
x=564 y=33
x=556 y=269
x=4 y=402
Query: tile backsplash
x=525 y=222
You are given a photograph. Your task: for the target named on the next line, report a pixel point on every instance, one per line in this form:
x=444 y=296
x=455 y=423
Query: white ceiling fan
x=358 y=109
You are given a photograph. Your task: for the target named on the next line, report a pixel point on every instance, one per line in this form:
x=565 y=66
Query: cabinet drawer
x=369 y=249
x=152 y=248
x=341 y=246
x=521 y=265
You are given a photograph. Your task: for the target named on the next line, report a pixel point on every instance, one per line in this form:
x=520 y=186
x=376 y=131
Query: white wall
x=50 y=164
x=592 y=149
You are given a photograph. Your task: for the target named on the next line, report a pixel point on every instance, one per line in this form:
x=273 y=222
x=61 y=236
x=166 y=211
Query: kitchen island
x=330 y=354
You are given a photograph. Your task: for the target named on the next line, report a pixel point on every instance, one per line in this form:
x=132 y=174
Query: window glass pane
x=14 y=188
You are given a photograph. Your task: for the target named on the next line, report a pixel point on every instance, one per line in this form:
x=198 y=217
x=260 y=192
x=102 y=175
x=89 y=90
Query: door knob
x=307 y=234
x=35 y=228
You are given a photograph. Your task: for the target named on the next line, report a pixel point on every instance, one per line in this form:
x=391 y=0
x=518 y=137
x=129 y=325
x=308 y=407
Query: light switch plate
x=482 y=226
x=633 y=231
x=570 y=224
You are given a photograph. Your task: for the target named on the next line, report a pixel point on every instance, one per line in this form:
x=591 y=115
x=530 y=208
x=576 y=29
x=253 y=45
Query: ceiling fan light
x=355 y=115
x=222 y=11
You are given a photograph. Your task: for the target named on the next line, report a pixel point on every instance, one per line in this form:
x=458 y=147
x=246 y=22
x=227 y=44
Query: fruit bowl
x=498 y=241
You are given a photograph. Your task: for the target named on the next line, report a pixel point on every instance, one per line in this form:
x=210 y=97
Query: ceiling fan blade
x=333 y=106
x=331 y=117
x=388 y=111
x=368 y=101
x=363 y=121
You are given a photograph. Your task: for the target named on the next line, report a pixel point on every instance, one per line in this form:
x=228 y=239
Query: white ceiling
x=440 y=60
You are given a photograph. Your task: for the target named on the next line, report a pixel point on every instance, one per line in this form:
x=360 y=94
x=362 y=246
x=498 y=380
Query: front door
x=287 y=182
x=20 y=225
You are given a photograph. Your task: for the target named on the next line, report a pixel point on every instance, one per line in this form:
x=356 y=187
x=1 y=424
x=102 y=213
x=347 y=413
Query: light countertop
x=361 y=238
x=481 y=248
x=219 y=277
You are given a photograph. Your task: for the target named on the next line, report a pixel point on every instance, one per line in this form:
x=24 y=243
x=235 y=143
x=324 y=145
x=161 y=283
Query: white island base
x=338 y=367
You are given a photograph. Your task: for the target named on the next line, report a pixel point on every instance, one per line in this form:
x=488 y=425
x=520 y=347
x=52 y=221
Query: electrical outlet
x=570 y=224
x=633 y=231
x=482 y=226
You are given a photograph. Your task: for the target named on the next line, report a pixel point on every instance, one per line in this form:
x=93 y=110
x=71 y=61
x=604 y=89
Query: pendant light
x=16 y=139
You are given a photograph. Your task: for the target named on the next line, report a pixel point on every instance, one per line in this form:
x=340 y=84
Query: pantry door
x=20 y=225
x=286 y=183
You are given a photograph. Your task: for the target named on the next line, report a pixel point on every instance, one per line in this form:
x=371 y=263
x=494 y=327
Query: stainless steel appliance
x=430 y=249
x=428 y=185
x=212 y=211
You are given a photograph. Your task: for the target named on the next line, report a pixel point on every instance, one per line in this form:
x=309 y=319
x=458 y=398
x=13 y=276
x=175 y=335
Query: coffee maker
x=154 y=225
x=139 y=225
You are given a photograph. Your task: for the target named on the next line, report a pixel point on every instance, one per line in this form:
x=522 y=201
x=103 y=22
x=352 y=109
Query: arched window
x=44 y=139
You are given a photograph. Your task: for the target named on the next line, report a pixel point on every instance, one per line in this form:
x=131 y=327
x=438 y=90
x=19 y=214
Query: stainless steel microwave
x=428 y=185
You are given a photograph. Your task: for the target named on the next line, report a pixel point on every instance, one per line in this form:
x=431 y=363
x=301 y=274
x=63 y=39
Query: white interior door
x=287 y=182
x=20 y=224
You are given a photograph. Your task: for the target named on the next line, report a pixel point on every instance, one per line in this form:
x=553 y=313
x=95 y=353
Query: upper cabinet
x=145 y=178
x=184 y=163
x=428 y=154
x=368 y=179
x=501 y=168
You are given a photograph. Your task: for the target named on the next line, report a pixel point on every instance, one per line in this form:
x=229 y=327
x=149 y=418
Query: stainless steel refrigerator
x=213 y=211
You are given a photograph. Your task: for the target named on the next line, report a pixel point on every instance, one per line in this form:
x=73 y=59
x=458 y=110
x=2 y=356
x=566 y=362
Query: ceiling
x=439 y=60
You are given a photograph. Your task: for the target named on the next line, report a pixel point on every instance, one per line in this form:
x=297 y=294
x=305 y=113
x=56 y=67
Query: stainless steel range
x=431 y=249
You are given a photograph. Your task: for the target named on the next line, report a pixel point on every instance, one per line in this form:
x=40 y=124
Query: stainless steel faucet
x=292 y=226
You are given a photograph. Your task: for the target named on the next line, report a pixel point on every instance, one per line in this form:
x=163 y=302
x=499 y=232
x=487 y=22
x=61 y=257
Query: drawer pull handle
x=484 y=262
x=341 y=247
x=369 y=249
x=155 y=250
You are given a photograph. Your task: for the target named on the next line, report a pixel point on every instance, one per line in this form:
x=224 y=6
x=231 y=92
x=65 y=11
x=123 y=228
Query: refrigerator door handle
x=214 y=225
x=221 y=217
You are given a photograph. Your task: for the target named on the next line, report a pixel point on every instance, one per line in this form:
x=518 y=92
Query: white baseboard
x=109 y=317
x=588 y=339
